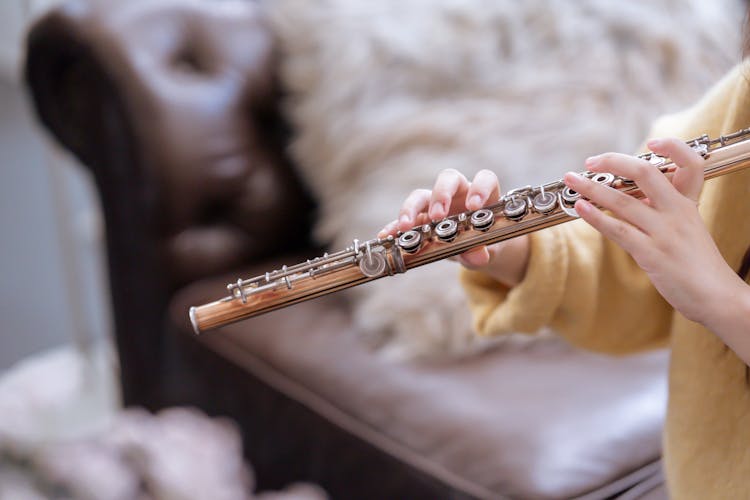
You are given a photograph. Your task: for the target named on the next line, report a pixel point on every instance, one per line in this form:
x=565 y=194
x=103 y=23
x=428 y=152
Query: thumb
x=475 y=258
x=688 y=178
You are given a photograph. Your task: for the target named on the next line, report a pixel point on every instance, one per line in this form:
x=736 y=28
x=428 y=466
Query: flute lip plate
x=194 y=321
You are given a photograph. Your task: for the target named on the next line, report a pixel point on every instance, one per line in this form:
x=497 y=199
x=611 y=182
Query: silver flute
x=517 y=212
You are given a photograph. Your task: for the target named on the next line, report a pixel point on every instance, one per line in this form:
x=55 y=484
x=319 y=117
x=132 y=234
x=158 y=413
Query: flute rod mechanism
x=517 y=212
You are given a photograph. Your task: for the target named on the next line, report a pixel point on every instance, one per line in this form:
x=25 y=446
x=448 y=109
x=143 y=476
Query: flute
x=517 y=212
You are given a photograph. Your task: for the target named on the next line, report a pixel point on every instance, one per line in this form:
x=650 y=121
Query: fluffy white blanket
x=62 y=435
x=385 y=94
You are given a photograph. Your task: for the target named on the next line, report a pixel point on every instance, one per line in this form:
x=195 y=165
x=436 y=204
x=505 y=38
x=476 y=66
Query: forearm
x=731 y=318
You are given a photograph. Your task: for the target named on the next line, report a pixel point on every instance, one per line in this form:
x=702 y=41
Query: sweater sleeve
x=584 y=286
x=581 y=285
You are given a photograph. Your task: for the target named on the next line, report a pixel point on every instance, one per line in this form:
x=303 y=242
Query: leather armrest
x=187 y=92
x=173 y=106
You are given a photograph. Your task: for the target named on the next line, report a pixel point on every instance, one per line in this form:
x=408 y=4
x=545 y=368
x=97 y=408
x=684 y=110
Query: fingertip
x=437 y=211
x=664 y=145
x=474 y=202
x=571 y=178
x=388 y=229
x=593 y=162
x=476 y=257
x=583 y=206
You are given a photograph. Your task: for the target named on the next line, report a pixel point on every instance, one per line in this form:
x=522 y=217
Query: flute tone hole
x=604 y=178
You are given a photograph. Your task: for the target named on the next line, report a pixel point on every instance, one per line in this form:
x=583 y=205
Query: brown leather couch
x=174 y=108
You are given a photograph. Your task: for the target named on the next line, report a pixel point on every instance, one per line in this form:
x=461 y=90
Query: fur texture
x=384 y=95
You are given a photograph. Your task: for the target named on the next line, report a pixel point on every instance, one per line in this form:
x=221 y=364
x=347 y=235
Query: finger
x=622 y=205
x=485 y=187
x=476 y=257
x=648 y=178
x=388 y=229
x=422 y=218
x=449 y=184
x=688 y=179
x=625 y=235
x=414 y=204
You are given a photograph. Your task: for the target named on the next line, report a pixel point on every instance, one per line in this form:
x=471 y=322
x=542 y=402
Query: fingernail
x=404 y=219
x=572 y=177
x=592 y=161
x=475 y=202
x=654 y=143
x=436 y=210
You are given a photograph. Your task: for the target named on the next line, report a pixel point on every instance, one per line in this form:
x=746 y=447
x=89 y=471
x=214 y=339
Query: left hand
x=663 y=233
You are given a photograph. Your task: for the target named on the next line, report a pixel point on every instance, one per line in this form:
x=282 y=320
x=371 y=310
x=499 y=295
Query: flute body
x=517 y=212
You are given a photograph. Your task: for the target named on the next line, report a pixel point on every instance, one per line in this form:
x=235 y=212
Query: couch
x=174 y=107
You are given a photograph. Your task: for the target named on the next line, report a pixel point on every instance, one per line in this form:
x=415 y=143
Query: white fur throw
x=63 y=435
x=385 y=94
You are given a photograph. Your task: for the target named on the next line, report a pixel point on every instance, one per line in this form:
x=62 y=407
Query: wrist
x=731 y=319
x=728 y=304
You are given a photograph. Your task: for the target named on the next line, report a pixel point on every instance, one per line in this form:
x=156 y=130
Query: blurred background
x=225 y=138
x=53 y=291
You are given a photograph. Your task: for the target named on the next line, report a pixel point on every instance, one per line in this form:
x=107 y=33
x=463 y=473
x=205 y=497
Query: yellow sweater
x=593 y=294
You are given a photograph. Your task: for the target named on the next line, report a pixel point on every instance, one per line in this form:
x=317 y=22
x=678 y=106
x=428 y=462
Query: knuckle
x=607 y=157
x=413 y=198
x=620 y=231
x=646 y=259
x=642 y=170
x=665 y=245
x=620 y=203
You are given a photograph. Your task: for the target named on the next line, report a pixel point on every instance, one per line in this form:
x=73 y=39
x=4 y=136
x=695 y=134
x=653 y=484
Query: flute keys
x=603 y=178
x=482 y=219
x=515 y=208
x=544 y=202
x=410 y=241
x=659 y=161
x=373 y=264
x=700 y=147
x=570 y=196
x=446 y=230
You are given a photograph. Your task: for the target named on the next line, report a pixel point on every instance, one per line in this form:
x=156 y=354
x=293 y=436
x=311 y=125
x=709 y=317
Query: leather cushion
x=542 y=421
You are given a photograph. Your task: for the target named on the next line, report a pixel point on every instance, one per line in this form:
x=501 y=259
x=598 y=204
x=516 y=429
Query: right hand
x=453 y=193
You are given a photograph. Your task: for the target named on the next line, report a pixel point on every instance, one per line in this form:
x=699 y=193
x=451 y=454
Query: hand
x=452 y=194
x=663 y=233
